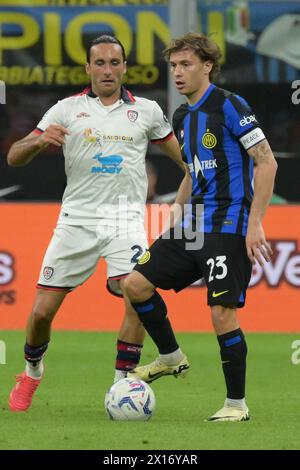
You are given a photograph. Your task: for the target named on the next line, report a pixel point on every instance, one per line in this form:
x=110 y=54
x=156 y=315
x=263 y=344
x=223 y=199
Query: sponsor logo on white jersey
x=96 y=138
x=117 y=138
x=82 y=114
x=247 y=120
x=108 y=164
x=92 y=137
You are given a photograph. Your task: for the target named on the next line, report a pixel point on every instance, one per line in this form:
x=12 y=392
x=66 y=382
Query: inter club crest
x=132 y=115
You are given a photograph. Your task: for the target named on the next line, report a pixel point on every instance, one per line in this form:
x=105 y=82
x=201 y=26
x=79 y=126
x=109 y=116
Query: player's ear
x=125 y=66
x=88 y=68
x=208 y=65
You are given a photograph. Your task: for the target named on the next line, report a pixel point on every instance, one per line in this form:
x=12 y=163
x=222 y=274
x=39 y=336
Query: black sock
x=34 y=354
x=233 y=349
x=153 y=315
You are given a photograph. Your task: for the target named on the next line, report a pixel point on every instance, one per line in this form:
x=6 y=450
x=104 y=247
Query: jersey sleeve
x=54 y=115
x=241 y=121
x=160 y=130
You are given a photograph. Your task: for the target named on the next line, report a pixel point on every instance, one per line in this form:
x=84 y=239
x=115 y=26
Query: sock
x=153 y=315
x=233 y=350
x=128 y=356
x=173 y=358
x=35 y=372
x=236 y=403
x=119 y=375
x=34 y=360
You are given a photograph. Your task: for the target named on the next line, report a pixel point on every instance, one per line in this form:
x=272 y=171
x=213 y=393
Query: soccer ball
x=130 y=400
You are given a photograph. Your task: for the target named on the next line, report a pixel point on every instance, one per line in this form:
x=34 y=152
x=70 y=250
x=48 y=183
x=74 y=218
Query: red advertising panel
x=272 y=300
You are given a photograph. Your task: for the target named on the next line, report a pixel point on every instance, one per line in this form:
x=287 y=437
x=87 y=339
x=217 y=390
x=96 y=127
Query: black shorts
x=222 y=262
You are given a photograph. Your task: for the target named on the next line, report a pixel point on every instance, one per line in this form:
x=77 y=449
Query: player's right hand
x=54 y=134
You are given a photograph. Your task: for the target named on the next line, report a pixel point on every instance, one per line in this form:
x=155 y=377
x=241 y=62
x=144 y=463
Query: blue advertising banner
x=260 y=40
x=43 y=52
x=47 y=45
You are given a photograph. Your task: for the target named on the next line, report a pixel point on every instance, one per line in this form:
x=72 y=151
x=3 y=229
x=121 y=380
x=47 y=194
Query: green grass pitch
x=68 y=412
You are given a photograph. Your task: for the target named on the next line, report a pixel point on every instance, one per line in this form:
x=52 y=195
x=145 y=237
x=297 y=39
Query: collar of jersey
x=203 y=98
x=126 y=96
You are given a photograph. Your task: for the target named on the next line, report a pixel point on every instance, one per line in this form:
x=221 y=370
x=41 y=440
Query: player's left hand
x=258 y=248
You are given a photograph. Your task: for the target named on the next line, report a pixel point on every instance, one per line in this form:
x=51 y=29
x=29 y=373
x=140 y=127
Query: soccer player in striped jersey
x=220 y=140
x=104 y=133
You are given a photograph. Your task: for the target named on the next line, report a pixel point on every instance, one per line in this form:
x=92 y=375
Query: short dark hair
x=202 y=46
x=104 y=39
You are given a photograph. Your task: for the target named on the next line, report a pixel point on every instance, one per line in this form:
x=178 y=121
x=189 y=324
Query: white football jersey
x=105 y=155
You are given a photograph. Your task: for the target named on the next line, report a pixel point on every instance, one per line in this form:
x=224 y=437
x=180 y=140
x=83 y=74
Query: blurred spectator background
x=43 y=55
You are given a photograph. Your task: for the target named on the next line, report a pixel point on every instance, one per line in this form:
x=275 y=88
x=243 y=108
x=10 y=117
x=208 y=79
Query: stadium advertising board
x=43 y=42
x=70 y=3
x=272 y=301
x=46 y=45
x=259 y=39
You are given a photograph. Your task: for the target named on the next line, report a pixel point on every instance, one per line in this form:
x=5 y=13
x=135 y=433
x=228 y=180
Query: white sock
x=35 y=372
x=119 y=375
x=172 y=359
x=236 y=403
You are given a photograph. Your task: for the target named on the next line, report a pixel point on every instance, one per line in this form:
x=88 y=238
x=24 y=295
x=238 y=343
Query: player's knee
x=133 y=290
x=137 y=289
x=223 y=316
x=219 y=314
x=42 y=314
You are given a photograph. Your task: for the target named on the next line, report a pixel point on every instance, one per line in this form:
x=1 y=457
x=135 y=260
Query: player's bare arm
x=258 y=248
x=172 y=149
x=182 y=196
x=185 y=189
x=23 y=151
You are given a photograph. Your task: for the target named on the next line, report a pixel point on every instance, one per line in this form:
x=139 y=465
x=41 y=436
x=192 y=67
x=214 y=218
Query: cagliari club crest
x=48 y=272
x=132 y=115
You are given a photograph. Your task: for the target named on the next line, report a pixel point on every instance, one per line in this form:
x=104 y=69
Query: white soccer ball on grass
x=130 y=400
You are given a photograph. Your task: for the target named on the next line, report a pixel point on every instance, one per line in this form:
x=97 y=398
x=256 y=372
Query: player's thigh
x=226 y=269
x=71 y=257
x=121 y=254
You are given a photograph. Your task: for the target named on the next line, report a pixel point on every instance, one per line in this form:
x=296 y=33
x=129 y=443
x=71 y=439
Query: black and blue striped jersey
x=214 y=136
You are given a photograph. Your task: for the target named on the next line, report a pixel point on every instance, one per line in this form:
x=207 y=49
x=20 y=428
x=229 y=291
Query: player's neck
x=193 y=98
x=109 y=100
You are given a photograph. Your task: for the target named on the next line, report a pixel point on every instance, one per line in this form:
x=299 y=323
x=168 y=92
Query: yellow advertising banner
x=80 y=3
x=47 y=46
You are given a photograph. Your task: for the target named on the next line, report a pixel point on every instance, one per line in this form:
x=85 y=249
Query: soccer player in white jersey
x=104 y=133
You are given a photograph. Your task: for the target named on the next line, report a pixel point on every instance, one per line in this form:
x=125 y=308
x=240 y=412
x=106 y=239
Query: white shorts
x=74 y=251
